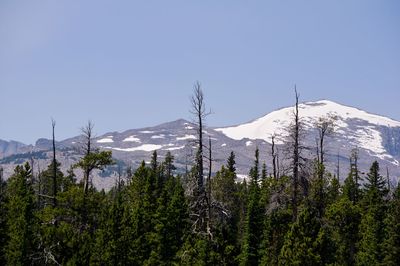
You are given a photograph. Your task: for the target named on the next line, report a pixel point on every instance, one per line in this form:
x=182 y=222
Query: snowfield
x=277 y=122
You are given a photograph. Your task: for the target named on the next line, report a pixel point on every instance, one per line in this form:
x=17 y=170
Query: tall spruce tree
x=3 y=216
x=231 y=163
x=308 y=241
x=391 y=244
x=372 y=223
x=254 y=219
x=225 y=194
x=343 y=217
x=20 y=217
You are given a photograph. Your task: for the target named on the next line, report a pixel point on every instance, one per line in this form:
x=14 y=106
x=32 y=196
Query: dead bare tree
x=93 y=158
x=274 y=158
x=199 y=110
x=87 y=132
x=209 y=188
x=388 y=180
x=354 y=172
x=296 y=155
x=325 y=128
x=338 y=168
x=53 y=125
x=201 y=207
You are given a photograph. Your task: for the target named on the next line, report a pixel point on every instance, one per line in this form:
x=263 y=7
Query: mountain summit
x=354 y=127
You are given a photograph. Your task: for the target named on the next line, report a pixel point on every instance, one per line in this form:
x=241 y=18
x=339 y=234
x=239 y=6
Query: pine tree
x=276 y=226
x=264 y=172
x=375 y=186
x=372 y=226
x=343 y=217
x=110 y=247
x=169 y=166
x=3 y=216
x=391 y=244
x=254 y=219
x=47 y=180
x=307 y=242
x=20 y=217
x=350 y=189
x=225 y=194
x=231 y=162
x=172 y=222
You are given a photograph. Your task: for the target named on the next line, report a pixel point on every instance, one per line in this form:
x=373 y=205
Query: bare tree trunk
x=209 y=190
x=278 y=166
x=388 y=178
x=338 y=168
x=296 y=157
x=274 y=157
x=53 y=125
x=88 y=134
x=354 y=170
x=198 y=109
x=321 y=146
x=202 y=201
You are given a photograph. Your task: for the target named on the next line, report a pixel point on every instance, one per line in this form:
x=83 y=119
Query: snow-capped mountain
x=353 y=127
x=376 y=137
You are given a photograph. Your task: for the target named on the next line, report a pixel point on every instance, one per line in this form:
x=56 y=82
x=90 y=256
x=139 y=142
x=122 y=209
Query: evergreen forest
x=156 y=215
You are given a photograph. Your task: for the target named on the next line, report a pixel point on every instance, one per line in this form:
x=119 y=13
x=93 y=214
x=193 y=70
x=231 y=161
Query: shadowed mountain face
x=8 y=148
x=376 y=138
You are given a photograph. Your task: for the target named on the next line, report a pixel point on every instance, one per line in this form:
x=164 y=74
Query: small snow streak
x=186 y=137
x=144 y=147
x=131 y=139
x=105 y=140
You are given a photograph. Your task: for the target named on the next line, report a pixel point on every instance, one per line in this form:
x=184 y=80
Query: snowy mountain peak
x=325 y=107
x=354 y=126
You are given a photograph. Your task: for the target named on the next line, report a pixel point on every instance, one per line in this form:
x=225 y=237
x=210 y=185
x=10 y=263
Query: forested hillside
x=154 y=216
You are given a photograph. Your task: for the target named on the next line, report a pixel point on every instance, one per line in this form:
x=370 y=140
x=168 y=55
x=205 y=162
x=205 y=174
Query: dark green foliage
x=147 y=220
x=225 y=194
x=20 y=158
x=276 y=221
x=254 y=219
x=20 y=247
x=46 y=183
x=109 y=248
x=391 y=244
x=372 y=222
x=350 y=189
x=307 y=242
x=375 y=186
x=3 y=216
x=95 y=160
x=231 y=163
x=344 y=217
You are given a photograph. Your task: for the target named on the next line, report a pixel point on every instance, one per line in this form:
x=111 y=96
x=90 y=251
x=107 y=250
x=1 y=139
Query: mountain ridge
x=377 y=137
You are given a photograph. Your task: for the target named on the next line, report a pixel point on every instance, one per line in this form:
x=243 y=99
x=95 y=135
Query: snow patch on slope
x=106 y=140
x=161 y=136
x=131 y=139
x=277 y=122
x=186 y=137
x=144 y=147
x=175 y=148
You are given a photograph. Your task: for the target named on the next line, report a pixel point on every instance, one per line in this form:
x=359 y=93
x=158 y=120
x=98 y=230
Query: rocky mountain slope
x=376 y=137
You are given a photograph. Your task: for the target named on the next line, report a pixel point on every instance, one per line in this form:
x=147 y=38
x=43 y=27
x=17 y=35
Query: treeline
x=151 y=219
x=155 y=216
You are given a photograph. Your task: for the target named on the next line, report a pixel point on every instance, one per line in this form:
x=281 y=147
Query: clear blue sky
x=130 y=64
